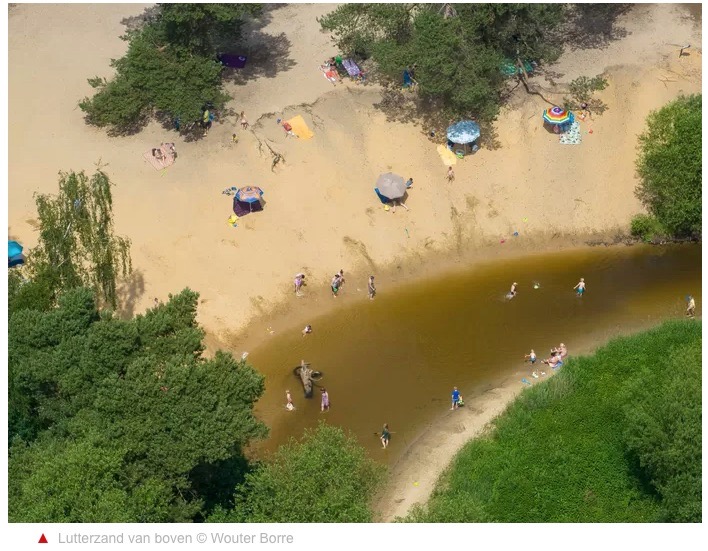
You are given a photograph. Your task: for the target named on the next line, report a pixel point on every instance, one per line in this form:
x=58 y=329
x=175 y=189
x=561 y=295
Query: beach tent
x=463 y=134
x=299 y=128
x=14 y=254
x=247 y=200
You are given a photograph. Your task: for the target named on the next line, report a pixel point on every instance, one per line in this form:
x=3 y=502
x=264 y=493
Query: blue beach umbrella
x=463 y=132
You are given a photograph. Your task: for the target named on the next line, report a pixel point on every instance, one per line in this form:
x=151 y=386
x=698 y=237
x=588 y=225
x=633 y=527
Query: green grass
x=613 y=437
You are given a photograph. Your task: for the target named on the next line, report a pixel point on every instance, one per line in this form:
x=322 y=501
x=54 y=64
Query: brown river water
x=395 y=359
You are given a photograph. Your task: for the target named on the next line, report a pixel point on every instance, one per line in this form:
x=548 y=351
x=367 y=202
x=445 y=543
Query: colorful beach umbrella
x=391 y=186
x=558 y=115
x=249 y=194
x=463 y=132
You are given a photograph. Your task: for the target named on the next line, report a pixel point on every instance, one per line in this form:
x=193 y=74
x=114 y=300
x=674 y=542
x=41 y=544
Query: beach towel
x=351 y=68
x=330 y=74
x=235 y=61
x=384 y=200
x=299 y=127
x=447 y=156
x=572 y=135
x=168 y=158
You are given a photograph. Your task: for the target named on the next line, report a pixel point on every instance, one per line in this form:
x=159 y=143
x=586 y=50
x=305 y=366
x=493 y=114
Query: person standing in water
x=455 y=398
x=325 y=400
x=531 y=357
x=691 y=307
x=307 y=330
x=299 y=280
x=580 y=287
x=385 y=436
x=512 y=291
x=372 y=288
x=289 y=406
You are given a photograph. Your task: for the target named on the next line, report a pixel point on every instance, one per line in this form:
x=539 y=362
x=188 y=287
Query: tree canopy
x=324 y=477
x=457 y=51
x=123 y=421
x=170 y=69
x=77 y=245
x=669 y=166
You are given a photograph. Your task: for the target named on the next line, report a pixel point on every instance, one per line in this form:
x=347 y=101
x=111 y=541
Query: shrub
x=646 y=227
x=669 y=166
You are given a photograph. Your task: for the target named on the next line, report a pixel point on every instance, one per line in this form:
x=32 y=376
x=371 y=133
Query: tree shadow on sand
x=129 y=292
x=268 y=54
x=594 y=26
x=406 y=106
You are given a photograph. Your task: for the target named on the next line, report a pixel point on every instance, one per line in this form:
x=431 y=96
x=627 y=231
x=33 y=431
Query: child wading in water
x=325 y=400
x=385 y=436
x=580 y=287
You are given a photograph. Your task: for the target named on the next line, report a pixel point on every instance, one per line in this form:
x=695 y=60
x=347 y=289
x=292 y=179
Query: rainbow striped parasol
x=558 y=115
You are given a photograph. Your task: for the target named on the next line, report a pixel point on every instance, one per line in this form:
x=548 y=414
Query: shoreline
x=286 y=312
x=413 y=478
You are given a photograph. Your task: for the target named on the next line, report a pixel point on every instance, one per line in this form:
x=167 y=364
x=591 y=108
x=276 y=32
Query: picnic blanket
x=351 y=67
x=299 y=127
x=235 y=61
x=448 y=157
x=572 y=135
x=168 y=158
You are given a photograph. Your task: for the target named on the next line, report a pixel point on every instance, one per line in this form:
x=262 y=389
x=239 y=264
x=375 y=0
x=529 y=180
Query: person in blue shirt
x=455 y=398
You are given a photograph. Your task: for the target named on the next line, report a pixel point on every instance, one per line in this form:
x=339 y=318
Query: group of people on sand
x=335 y=285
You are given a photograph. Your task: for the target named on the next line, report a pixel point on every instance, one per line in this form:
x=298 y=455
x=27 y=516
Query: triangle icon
x=43 y=539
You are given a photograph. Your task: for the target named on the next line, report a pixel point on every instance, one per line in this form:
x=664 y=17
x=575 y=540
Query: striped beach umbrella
x=558 y=115
x=249 y=194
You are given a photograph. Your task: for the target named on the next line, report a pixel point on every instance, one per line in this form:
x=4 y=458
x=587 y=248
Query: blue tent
x=13 y=248
x=14 y=254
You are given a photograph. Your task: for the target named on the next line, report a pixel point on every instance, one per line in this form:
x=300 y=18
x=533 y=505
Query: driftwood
x=305 y=373
x=307 y=377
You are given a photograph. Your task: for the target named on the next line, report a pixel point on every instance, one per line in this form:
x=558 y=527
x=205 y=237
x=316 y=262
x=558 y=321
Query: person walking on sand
x=299 y=280
x=450 y=174
x=691 y=307
x=372 y=288
x=325 y=400
x=341 y=278
x=289 y=405
x=455 y=398
x=244 y=121
x=335 y=285
x=385 y=436
x=580 y=287
x=530 y=357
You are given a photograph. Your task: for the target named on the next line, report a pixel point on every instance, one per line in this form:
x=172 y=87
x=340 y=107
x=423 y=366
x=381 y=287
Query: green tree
x=77 y=245
x=663 y=431
x=325 y=477
x=170 y=70
x=457 y=50
x=195 y=26
x=669 y=166
x=131 y=408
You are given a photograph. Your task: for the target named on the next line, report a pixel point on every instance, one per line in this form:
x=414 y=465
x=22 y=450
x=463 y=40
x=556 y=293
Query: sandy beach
x=321 y=213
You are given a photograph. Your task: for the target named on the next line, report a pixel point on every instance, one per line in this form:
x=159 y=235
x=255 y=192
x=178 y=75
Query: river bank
x=321 y=214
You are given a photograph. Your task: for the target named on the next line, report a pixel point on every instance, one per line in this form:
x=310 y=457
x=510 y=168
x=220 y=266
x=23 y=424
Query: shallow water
x=396 y=359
